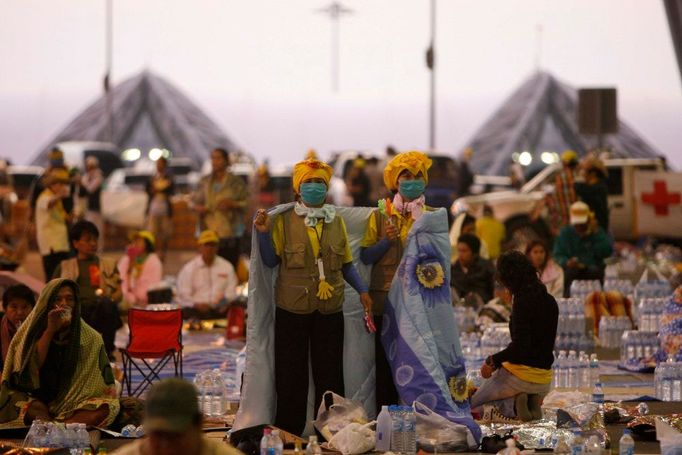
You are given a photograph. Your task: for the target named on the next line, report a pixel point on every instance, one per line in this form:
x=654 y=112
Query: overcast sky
x=261 y=69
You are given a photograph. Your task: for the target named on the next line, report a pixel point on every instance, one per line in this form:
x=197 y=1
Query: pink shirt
x=135 y=288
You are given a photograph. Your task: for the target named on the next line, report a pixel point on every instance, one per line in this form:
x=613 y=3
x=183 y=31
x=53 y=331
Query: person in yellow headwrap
x=406 y=176
x=310 y=244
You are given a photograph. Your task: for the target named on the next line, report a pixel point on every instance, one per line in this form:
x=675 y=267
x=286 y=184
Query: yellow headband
x=310 y=169
x=147 y=236
x=413 y=161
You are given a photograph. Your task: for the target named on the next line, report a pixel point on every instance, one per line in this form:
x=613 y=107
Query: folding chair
x=154 y=335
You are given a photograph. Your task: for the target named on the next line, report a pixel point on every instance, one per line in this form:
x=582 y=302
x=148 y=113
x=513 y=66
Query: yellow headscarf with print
x=413 y=161
x=311 y=169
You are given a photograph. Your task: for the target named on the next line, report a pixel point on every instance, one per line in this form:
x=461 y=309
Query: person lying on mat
x=57 y=367
x=519 y=376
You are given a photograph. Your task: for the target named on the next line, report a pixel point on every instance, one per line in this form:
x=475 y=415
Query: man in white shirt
x=207 y=283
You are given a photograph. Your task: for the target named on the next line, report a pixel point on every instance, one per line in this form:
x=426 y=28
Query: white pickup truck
x=514 y=208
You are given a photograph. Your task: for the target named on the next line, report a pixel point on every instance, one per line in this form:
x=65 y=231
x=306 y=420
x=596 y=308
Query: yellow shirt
x=52 y=235
x=371 y=233
x=529 y=374
x=313 y=234
x=492 y=232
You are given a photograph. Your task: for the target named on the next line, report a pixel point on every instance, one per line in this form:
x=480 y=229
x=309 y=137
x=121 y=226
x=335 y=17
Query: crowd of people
x=70 y=328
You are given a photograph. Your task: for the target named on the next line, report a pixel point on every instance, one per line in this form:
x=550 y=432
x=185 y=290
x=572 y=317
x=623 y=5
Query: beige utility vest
x=299 y=277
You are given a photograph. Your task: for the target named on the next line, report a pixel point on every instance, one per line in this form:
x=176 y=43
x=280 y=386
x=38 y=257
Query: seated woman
x=471 y=274
x=519 y=376
x=140 y=269
x=57 y=367
x=17 y=302
x=551 y=274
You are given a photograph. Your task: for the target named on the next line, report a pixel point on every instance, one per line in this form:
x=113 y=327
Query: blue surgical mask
x=313 y=193
x=411 y=189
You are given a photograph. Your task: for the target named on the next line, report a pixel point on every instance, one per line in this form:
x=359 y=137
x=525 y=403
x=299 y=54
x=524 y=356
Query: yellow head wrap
x=413 y=161
x=311 y=169
x=146 y=235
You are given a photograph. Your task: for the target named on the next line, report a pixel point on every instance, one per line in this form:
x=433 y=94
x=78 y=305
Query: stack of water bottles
x=271 y=443
x=649 y=312
x=636 y=345
x=611 y=329
x=668 y=381
x=575 y=370
x=494 y=339
x=571 y=325
x=471 y=349
x=582 y=288
x=212 y=392
x=625 y=287
x=465 y=317
x=72 y=436
x=652 y=289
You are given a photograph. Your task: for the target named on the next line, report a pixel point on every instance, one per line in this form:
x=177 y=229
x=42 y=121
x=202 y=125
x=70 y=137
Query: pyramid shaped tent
x=147 y=112
x=540 y=116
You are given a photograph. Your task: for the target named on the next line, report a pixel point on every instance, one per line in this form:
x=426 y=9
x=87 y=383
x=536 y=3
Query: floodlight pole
x=335 y=10
x=431 y=62
x=108 y=28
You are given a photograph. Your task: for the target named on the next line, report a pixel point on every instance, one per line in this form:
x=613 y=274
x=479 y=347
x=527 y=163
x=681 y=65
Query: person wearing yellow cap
x=55 y=160
x=207 y=283
x=51 y=221
x=593 y=191
x=140 y=269
x=310 y=244
x=580 y=249
x=406 y=176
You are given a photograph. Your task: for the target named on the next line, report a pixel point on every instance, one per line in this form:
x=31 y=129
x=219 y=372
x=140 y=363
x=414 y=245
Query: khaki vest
x=111 y=281
x=384 y=270
x=298 y=277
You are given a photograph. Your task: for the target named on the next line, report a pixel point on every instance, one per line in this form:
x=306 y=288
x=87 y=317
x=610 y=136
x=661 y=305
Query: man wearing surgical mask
x=406 y=176
x=310 y=244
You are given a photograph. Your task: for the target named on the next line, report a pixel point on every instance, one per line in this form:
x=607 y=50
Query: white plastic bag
x=339 y=415
x=354 y=439
x=435 y=430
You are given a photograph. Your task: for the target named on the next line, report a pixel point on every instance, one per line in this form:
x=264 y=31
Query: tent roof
x=541 y=115
x=147 y=112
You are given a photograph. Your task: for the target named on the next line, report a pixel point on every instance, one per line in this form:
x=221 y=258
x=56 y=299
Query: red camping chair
x=153 y=335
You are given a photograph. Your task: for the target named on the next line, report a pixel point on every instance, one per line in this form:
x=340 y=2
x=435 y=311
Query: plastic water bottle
x=562 y=369
x=266 y=443
x=666 y=382
x=598 y=394
x=626 y=445
x=313 y=447
x=410 y=430
x=577 y=444
x=200 y=385
x=594 y=369
x=217 y=393
x=277 y=442
x=397 y=438
x=572 y=363
x=70 y=440
x=676 y=386
x=584 y=364
x=383 y=434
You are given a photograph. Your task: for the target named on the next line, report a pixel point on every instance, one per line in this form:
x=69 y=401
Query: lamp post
x=108 y=30
x=335 y=10
x=431 y=64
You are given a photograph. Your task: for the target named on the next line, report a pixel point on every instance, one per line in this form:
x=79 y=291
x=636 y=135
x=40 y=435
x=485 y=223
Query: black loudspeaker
x=597 y=111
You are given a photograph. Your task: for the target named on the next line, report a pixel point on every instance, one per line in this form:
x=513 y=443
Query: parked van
x=514 y=208
x=75 y=153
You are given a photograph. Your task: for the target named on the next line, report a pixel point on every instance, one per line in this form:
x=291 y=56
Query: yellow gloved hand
x=324 y=290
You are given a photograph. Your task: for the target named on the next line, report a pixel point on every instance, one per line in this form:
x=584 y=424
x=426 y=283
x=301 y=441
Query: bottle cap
x=627 y=431
x=267 y=431
x=312 y=438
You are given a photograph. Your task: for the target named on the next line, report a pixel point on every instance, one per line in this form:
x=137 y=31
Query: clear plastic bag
x=435 y=431
x=341 y=412
x=354 y=439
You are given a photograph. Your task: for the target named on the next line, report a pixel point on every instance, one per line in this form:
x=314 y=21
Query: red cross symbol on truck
x=660 y=198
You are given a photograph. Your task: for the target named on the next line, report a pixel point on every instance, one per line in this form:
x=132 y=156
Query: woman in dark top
x=471 y=274
x=519 y=376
